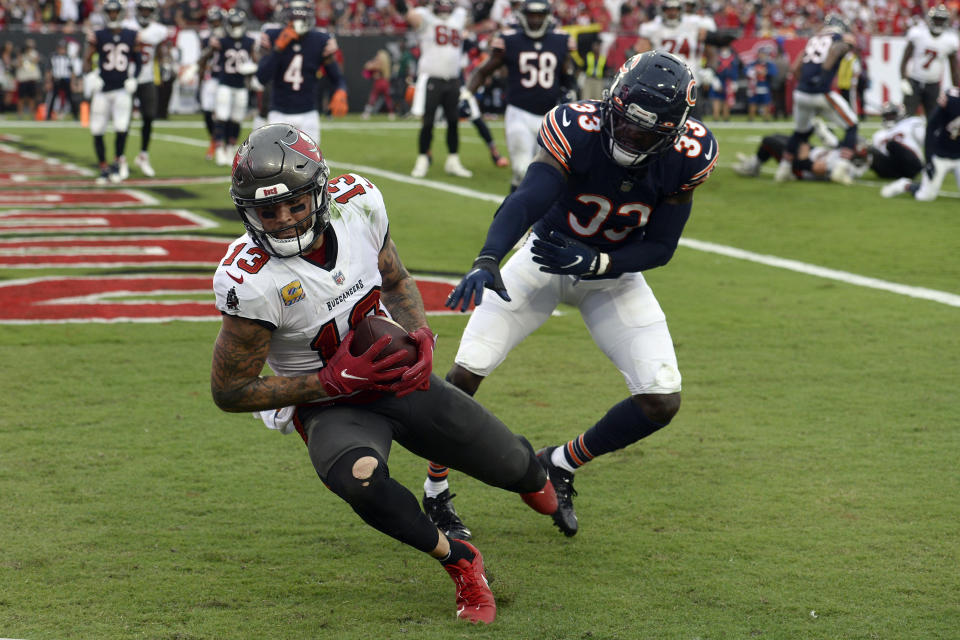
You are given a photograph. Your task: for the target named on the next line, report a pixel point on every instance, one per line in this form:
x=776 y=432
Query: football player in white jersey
x=670 y=32
x=930 y=46
x=440 y=32
x=152 y=37
x=316 y=259
x=208 y=69
x=941 y=148
x=703 y=60
x=810 y=163
x=896 y=150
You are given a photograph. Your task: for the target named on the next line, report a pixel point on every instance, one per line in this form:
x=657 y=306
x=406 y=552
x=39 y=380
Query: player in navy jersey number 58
x=607 y=195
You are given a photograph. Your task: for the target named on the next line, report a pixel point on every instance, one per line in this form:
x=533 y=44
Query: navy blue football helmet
x=300 y=15
x=113 y=14
x=645 y=110
x=236 y=23
x=534 y=18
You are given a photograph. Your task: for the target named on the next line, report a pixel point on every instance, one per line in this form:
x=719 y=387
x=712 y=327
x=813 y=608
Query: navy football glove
x=485 y=274
x=563 y=255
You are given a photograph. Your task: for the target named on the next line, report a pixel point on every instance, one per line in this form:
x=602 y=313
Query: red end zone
x=137 y=298
x=125 y=251
x=74 y=198
x=20 y=221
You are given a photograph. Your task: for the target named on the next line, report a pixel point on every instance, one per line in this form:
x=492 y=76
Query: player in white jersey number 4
x=316 y=259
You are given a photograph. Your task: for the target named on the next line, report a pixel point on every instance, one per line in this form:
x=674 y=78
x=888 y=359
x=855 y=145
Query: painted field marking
x=113 y=251
x=136 y=298
x=17 y=221
x=75 y=198
x=708 y=247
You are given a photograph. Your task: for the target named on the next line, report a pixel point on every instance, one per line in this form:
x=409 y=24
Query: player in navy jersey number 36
x=316 y=259
x=607 y=195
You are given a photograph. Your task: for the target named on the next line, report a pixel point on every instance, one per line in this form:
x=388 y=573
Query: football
x=372 y=328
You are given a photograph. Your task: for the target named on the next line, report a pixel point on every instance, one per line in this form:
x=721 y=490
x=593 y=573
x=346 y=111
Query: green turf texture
x=807 y=489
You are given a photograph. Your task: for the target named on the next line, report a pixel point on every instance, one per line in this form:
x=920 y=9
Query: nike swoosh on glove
x=346 y=373
x=417 y=377
x=485 y=274
x=563 y=255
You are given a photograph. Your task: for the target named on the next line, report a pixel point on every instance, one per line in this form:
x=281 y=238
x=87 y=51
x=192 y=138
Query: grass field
x=807 y=489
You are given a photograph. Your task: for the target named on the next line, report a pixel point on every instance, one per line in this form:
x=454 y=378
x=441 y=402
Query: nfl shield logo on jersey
x=338 y=277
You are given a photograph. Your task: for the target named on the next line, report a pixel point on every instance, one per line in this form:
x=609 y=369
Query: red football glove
x=346 y=373
x=417 y=376
x=286 y=36
x=338 y=104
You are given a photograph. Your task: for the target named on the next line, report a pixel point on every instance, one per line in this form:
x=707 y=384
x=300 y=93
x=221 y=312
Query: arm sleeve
x=332 y=69
x=660 y=239
x=541 y=187
x=266 y=68
x=933 y=123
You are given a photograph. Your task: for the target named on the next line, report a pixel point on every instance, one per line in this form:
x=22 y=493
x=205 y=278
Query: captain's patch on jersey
x=292 y=293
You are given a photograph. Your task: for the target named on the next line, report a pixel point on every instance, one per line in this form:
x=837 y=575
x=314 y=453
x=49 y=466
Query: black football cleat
x=564 y=517
x=441 y=513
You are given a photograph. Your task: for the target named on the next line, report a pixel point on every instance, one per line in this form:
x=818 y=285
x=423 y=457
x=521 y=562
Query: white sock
x=433 y=489
x=560 y=460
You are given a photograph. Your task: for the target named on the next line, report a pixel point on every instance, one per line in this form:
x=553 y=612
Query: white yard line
x=942 y=297
x=933 y=295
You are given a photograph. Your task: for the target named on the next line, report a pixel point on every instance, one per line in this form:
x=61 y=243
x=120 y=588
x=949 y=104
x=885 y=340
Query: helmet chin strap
x=625 y=158
x=287 y=247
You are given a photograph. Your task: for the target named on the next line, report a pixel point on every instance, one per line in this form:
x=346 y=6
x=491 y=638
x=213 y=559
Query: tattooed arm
x=238 y=358
x=400 y=294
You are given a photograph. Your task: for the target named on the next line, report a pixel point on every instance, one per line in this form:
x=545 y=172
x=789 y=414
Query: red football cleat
x=211 y=149
x=543 y=501
x=474 y=598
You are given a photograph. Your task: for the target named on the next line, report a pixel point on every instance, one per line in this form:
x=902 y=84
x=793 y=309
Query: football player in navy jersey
x=942 y=150
x=208 y=69
x=236 y=51
x=292 y=57
x=540 y=73
x=607 y=195
x=814 y=72
x=111 y=87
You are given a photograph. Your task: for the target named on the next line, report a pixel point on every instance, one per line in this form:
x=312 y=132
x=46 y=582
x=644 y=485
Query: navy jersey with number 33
x=606 y=205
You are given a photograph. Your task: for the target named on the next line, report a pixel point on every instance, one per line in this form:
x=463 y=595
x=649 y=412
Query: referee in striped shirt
x=61 y=70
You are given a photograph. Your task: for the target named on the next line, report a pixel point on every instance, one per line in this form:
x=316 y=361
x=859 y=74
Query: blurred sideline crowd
x=606 y=30
x=753 y=17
